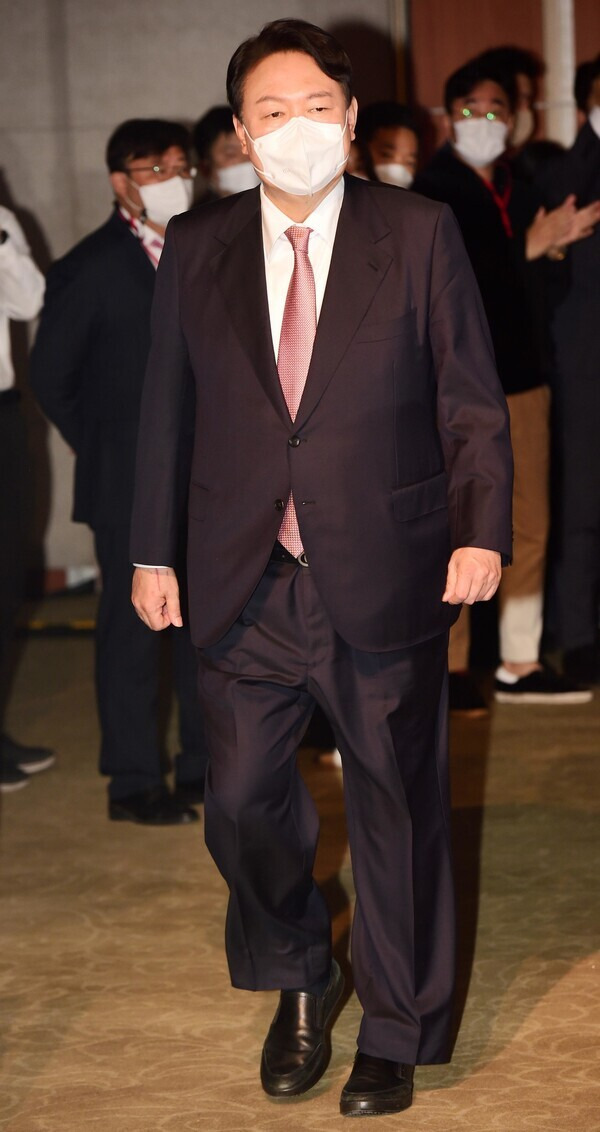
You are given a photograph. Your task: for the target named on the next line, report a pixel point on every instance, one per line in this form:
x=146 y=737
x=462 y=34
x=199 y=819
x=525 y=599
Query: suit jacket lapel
x=358 y=267
x=240 y=273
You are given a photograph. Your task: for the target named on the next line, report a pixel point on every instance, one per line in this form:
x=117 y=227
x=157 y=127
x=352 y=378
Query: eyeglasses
x=164 y=171
x=491 y=117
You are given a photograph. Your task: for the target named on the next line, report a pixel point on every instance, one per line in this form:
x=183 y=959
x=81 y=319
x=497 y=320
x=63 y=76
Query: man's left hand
x=473 y=575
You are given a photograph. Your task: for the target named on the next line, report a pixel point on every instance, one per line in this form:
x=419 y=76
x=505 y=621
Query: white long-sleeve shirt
x=22 y=288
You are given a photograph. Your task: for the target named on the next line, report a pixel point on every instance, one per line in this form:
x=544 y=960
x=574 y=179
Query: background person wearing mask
x=21 y=294
x=87 y=370
x=505 y=233
x=386 y=132
x=224 y=166
x=526 y=69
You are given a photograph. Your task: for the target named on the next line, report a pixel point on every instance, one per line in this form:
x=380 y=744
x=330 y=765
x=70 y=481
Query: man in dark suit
x=507 y=235
x=575 y=569
x=87 y=370
x=329 y=492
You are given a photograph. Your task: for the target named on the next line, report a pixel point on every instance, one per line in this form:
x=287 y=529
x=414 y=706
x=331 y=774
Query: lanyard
x=502 y=199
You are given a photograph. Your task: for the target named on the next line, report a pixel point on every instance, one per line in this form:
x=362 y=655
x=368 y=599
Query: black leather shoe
x=298 y=1046
x=190 y=793
x=30 y=760
x=151 y=807
x=376 y=1087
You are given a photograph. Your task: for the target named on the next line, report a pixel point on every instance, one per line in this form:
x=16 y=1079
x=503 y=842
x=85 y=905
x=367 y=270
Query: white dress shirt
x=279 y=253
x=22 y=288
x=279 y=258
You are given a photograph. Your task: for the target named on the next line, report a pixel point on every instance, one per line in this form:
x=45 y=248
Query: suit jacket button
x=294 y=441
x=279 y=505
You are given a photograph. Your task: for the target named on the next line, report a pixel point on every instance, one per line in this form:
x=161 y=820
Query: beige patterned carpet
x=116 y=1012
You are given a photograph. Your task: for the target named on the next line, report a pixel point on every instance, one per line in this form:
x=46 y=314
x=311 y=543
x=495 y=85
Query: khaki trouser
x=521 y=592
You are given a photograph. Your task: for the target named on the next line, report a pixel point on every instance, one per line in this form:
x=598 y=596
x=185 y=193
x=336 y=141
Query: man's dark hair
x=514 y=60
x=585 y=76
x=463 y=81
x=383 y=115
x=143 y=137
x=288 y=35
x=209 y=127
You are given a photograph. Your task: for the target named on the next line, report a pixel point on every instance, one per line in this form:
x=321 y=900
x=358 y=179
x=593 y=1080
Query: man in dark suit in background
x=345 y=499
x=575 y=567
x=87 y=371
x=506 y=235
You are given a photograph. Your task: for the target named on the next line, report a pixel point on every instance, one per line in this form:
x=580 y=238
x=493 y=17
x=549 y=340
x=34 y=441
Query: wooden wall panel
x=587 y=29
x=443 y=35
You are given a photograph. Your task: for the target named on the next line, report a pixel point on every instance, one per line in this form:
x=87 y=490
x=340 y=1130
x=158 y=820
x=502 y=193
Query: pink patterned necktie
x=298 y=331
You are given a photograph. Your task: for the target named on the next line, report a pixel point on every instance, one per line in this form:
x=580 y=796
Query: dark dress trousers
x=399 y=452
x=87 y=370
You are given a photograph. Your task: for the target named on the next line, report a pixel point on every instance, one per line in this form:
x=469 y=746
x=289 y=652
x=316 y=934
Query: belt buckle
x=302 y=560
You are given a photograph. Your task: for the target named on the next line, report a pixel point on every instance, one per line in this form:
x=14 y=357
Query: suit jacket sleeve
x=65 y=335
x=163 y=438
x=577 y=171
x=472 y=412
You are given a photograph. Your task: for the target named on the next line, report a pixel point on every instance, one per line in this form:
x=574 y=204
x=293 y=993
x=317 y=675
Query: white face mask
x=523 y=127
x=394 y=174
x=235 y=178
x=302 y=157
x=165 y=199
x=480 y=141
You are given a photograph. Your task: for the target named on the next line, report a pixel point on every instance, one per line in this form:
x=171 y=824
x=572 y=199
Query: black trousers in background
x=575 y=562
x=127 y=682
x=13 y=521
x=258 y=687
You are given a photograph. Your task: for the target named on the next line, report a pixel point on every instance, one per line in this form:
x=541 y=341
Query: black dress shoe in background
x=151 y=807
x=298 y=1046
x=190 y=793
x=376 y=1087
x=29 y=760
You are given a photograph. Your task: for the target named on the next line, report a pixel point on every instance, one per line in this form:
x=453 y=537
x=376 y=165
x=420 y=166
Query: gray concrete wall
x=71 y=70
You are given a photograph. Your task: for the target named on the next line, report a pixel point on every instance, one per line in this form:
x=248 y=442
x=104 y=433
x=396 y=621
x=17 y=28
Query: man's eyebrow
x=498 y=101
x=283 y=98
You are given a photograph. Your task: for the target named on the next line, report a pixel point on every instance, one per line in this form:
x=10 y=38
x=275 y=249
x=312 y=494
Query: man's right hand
x=155 y=596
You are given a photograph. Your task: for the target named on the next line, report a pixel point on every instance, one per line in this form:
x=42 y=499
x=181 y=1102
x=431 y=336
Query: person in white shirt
x=21 y=295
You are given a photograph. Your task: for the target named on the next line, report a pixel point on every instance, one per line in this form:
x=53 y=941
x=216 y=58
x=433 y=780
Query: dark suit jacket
x=575 y=281
x=512 y=288
x=88 y=362
x=404 y=450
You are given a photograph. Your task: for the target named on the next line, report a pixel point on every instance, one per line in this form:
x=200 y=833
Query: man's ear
x=119 y=182
x=241 y=135
x=352 y=116
x=447 y=127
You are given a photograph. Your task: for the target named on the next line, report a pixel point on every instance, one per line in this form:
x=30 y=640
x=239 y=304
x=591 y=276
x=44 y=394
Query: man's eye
x=319 y=109
x=467 y=113
x=490 y=116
